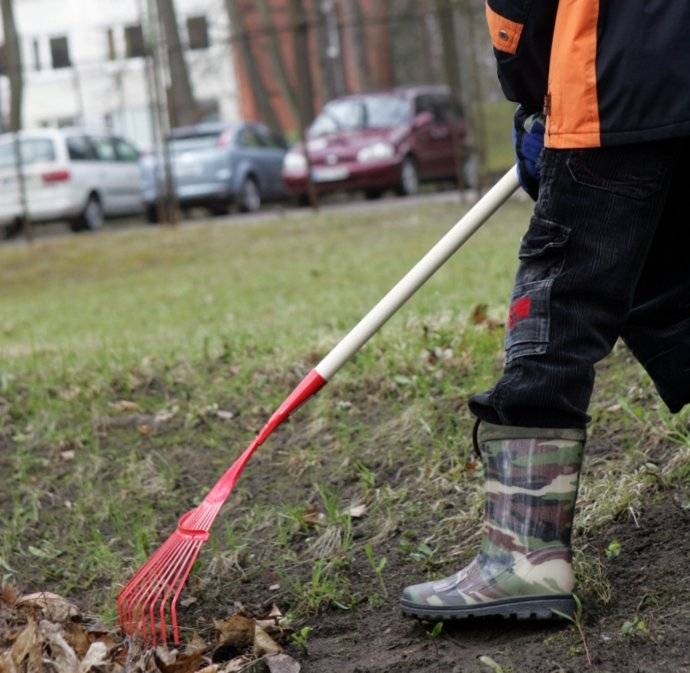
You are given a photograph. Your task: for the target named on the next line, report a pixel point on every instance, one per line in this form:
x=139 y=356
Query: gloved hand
x=528 y=140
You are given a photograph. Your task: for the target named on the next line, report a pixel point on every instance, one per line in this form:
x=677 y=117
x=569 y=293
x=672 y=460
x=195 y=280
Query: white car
x=71 y=175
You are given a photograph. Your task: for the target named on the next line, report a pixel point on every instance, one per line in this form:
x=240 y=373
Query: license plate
x=331 y=173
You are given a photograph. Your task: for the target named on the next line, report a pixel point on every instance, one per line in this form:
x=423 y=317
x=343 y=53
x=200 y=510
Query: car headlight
x=376 y=152
x=295 y=163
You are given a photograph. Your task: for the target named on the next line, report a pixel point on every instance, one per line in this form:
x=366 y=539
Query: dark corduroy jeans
x=606 y=255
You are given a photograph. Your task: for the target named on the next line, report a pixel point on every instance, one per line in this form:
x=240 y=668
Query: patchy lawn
x=135 y=366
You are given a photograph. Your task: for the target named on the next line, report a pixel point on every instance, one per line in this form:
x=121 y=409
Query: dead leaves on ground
x=43 y=632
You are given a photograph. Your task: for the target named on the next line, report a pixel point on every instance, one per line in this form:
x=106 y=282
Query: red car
x=380 y=141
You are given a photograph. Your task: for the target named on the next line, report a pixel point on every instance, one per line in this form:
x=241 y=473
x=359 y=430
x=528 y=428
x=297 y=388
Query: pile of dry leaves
x=44 y=632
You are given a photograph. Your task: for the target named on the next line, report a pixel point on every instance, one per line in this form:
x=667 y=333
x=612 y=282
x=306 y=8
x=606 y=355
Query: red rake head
x=151 y=596
x=142 y=605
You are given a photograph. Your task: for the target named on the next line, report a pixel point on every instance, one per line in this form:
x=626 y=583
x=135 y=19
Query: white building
x=83 y=64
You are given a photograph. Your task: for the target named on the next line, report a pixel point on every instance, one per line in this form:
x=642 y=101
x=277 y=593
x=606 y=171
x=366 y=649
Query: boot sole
x=521 y=608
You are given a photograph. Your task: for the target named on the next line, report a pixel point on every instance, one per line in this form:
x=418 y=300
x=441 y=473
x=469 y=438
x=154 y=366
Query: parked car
x=218 y=165
x=380 y=141
x=72 y=175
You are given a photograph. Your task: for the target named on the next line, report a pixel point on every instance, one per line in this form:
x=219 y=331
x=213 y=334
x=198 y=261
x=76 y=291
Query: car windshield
x=33 y=151
x=354 y=114
x=198 y=143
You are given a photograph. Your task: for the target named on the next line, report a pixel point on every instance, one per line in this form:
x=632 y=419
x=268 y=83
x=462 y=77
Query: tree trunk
x=451 y=64
x=183 y=106
x=14 y=64
x=328 y=33
x=259 y=89
x=445 y=16
x=354 y=22
x=305 y=83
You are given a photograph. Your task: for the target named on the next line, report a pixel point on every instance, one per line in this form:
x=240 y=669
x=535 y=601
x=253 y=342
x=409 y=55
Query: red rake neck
x=309 y=386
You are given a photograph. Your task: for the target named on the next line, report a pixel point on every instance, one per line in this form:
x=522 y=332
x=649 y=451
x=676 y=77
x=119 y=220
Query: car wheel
x=92 y=217
x=152 y=216
x=249 y=197
x=219 y=210
x=11 y=230
x=409 y=178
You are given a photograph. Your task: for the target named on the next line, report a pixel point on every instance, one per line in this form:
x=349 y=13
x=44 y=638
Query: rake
x=151 y=597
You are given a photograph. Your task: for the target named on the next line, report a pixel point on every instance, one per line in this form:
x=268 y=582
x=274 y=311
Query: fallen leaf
x=225 y=415
x=6 y=663
x=263 y=643
x=69 y=394
x=96 y=656
x=492 y=665
x=125 y=406
x=479 y=314
x=163 y=417
x=237 y=632
x=165 y=656
x=196 y=644
x=64 y=659
x=213 y=668
x=282 y=663
x=77 y=638
x=8 y=594
x=311 y=516
x=190 y=600
x=236 y=665
x=357 y=511
x=53 y=607
x=144 y=430
x=26 y=642
x=181 y=663
x=274 y=587
x=67 y=455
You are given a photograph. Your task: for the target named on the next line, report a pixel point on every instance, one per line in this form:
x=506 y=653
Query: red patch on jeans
x=521 y=309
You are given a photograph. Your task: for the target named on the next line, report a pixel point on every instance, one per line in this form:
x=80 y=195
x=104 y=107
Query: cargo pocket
x=542 y=255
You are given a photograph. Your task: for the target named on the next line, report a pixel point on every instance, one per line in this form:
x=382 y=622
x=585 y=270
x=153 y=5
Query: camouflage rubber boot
x=524 y=565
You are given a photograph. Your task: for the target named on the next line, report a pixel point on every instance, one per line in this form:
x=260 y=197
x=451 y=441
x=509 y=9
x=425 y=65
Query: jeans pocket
x=542 y=256
x=624 y=171
x=529 y=320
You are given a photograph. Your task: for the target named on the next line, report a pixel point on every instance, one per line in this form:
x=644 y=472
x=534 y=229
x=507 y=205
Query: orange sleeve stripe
x=505 y=34
x=573 y=119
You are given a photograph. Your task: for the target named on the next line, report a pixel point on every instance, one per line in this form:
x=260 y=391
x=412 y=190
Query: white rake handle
x=419 y=274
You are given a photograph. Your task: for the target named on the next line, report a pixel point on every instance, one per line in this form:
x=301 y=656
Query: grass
x=134 y=366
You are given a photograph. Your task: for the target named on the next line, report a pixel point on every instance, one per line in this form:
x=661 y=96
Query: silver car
x=216 y=166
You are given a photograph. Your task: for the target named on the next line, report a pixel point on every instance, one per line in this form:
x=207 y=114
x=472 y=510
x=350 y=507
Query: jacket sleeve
x=521 y=34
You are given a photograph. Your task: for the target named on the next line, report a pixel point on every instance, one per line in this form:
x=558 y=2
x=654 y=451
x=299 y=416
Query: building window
x=110 y=40
x=59 y=53
x=135 y=46
x=197 y=31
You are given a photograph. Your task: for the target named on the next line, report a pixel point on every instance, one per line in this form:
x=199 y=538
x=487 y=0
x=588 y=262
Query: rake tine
x=136 y=589
x=123 y=602
x=187 y=551
x=180 y=586
x=137 y=599
x=157 y=588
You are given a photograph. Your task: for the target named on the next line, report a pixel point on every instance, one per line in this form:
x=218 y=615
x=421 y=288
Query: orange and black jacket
x=606 y=72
